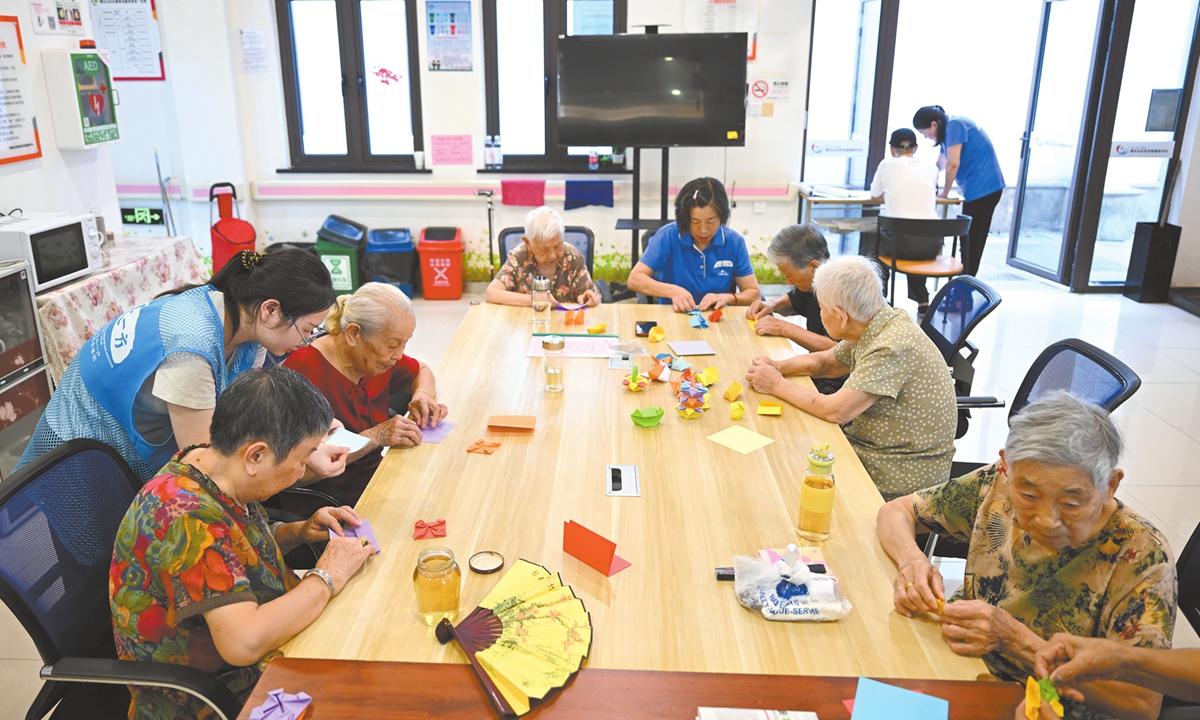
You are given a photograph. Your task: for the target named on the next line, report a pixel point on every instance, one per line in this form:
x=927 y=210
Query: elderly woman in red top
x=358 y=365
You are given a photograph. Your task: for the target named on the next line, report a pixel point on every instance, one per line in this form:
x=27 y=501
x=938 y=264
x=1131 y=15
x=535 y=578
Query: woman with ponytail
x=969 y=158
x=359 y=366
x=148 y=381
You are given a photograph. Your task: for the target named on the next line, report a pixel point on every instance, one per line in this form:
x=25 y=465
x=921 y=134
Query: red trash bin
x=441 y=250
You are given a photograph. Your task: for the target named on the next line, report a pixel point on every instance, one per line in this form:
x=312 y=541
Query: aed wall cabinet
x=82 y=105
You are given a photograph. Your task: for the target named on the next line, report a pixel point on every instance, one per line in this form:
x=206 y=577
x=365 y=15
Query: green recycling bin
x=340 y=244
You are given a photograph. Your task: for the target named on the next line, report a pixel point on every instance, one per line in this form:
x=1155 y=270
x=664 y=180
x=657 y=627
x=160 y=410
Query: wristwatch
x=323 y=575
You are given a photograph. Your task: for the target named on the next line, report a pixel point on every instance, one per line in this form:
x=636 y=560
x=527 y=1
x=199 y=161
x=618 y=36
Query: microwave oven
x=58 y=247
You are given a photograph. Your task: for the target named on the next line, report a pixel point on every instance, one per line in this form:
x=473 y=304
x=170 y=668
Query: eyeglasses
x=303 y=339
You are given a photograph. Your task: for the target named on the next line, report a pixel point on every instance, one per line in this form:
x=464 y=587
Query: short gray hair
x=370 y=307
x=1060 y=430
x=276 y=405
x=543 y=224
x=798 y=245
x=852 y=283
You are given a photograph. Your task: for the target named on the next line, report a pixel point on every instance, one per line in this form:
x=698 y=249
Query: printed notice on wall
x=57 y=17
x=724 y=16
x=254 y=51
x=18 y=128
x=128 y=31
x=451 y=150
x=448 y=25
x=775 y=89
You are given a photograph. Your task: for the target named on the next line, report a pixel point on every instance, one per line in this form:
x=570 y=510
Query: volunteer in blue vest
x=148 y=381
x=970 y=160
x=697 y=262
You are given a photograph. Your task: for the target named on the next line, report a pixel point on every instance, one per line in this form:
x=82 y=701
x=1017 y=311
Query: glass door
x=1055 y=130
x=1144 y=133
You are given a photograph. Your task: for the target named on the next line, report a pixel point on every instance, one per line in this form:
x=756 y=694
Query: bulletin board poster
x=448 y=24
x=128 y=31
x=19 y=138
x=724 y=16
x=57 y=17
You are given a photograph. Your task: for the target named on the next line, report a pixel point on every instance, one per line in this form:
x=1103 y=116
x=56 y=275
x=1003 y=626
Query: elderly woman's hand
x=426 y=411
x=764 y=376
x=769 y=325
x=917 y=588
x=758 y=310
x=591 y=298
x=974 y=627
x=1070 y=659
x=317 y=527
x=397 y=430
x=328 y=460
x=342 y=558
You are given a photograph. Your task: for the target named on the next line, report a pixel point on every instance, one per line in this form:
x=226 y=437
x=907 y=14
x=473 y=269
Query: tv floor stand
x=636 y=224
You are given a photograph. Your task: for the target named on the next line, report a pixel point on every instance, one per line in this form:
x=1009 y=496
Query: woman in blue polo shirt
x=697 y=262
x=968 y=157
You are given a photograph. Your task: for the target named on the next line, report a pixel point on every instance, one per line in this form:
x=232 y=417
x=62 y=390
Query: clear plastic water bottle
x=816 y=496
x=553 y=352
x=593 y=160
x=543 y=304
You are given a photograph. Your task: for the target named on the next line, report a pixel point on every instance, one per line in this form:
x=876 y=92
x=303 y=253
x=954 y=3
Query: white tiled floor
x=1161 y=422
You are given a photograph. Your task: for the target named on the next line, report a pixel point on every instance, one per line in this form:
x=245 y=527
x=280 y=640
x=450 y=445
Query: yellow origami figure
x=733 y=391
x=688 y=413
x=737 y=410
x=1037 y=691
x=598 y=328
x=657 y=334
x=708 y=376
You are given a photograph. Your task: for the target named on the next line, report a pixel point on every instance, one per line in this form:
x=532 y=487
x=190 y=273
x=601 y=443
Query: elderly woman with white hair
x=358 y=365
x=897 y=405
x=1051 y=550
x=543 y=253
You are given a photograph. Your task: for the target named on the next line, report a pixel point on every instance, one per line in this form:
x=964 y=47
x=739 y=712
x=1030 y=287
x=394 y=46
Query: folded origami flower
x=423 y=530
x=483 y=447
x=281 y=706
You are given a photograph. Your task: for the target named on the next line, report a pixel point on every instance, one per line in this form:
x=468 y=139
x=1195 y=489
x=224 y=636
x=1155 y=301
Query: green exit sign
x=142 y=216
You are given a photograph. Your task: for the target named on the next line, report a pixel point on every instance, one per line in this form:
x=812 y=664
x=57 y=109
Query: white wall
x=60 y=180
x=203 y=58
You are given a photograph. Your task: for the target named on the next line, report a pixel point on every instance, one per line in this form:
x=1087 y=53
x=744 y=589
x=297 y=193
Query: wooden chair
x=941 y=266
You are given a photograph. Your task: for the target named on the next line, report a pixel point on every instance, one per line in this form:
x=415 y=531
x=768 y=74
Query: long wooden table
x=352 y=690
x=701 y=504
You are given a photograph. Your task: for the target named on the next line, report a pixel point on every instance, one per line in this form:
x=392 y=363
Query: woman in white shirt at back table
x=908 y=188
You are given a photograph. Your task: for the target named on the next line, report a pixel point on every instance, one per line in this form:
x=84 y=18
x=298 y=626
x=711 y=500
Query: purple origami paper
x=281 y=706
x=437 y=433
x=363 y=531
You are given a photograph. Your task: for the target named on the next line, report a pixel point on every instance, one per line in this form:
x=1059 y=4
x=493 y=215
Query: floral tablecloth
x=135 y=270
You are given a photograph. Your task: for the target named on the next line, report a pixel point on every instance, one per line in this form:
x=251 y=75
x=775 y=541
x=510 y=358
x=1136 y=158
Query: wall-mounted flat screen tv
x=686 y=90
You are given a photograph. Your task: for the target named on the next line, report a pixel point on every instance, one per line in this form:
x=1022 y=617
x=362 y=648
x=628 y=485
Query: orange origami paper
x=512 y=422
x=574 y=317
x=423 y=530
x=767 y=407
x=716 y=316
x=483 y=447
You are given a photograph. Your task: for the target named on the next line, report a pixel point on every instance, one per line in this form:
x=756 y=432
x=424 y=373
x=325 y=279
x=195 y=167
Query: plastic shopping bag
x=787 y=590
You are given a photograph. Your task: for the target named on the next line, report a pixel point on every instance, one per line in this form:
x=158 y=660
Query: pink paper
x=451 y=150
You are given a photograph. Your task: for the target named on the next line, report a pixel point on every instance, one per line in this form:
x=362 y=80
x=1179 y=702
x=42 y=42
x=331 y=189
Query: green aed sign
x=93 y=86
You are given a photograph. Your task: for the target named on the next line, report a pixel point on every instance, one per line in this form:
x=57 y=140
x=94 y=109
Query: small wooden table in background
x=701 y=504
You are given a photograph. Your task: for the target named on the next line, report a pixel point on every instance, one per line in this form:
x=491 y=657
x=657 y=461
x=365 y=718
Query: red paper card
x=594 y=550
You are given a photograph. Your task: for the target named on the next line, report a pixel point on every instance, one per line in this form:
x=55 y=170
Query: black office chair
x=58 y=519
x=1080 y=368
x=958 y=307
x=891 y=228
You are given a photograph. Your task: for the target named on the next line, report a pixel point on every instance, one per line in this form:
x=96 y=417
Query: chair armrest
x=605 y=291
x=978 y=401
x=194 y=682
x=327 y=499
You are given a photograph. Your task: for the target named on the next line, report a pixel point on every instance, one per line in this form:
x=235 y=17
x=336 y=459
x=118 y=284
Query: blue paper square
x=879 y=701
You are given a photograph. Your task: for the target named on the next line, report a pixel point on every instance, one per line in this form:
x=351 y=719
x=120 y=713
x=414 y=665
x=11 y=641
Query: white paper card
x=345 y=438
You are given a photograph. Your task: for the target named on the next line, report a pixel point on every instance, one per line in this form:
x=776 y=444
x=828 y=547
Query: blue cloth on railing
x=588 y=192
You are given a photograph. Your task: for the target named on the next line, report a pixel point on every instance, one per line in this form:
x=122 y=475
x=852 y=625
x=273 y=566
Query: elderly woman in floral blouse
x=544 y=253
x=1051 y=550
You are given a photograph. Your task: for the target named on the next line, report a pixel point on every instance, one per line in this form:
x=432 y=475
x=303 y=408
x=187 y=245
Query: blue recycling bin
x=391 y=258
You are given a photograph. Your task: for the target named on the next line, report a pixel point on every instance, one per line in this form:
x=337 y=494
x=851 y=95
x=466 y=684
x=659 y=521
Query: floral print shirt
x=1120 y=585
x=571 y=281
x=183 y=548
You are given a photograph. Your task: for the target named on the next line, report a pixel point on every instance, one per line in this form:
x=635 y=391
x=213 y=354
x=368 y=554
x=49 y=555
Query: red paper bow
x=423 y=530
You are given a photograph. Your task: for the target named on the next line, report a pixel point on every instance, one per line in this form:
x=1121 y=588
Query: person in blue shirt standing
x=697 y=262
x=969 y=158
